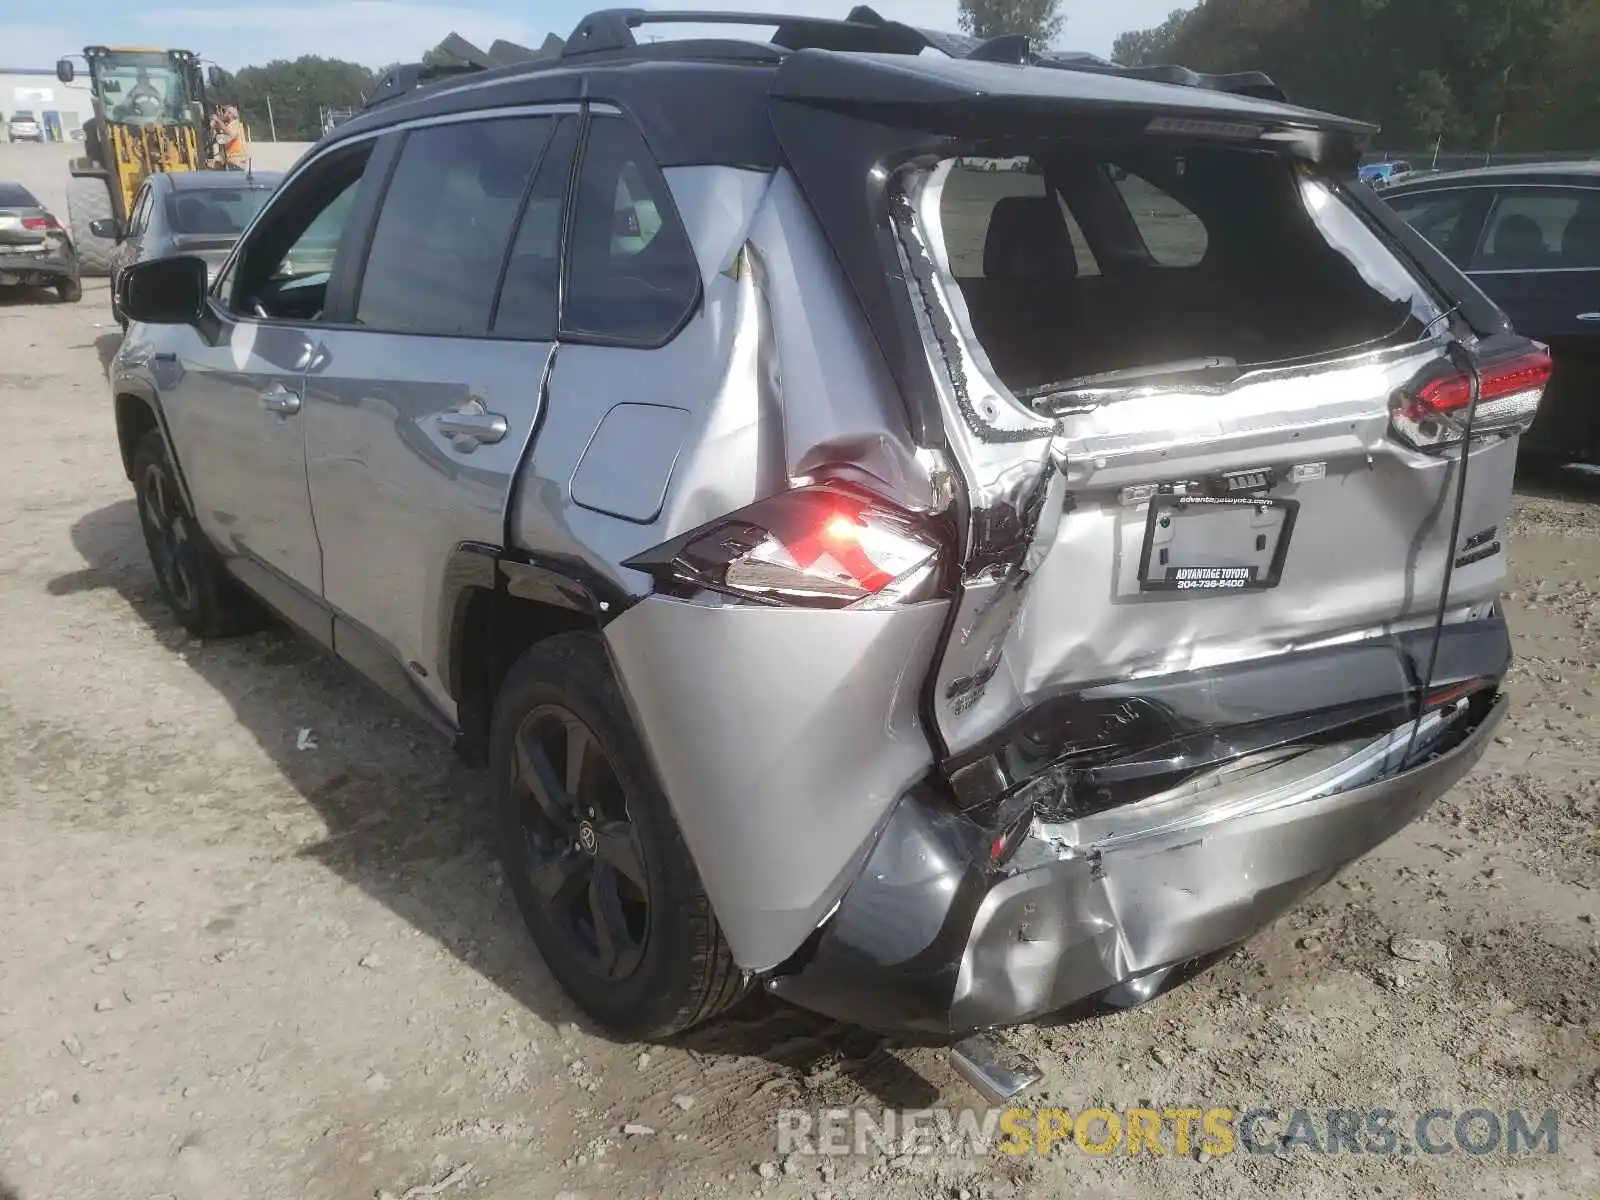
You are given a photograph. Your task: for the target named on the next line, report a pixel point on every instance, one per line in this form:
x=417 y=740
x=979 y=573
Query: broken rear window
x=1145 y=262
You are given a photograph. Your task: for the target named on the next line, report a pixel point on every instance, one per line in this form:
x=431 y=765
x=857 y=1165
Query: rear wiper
x=1189 y=369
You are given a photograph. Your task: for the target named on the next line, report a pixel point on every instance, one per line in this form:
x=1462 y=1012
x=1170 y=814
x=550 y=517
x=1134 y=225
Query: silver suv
x=936 y=595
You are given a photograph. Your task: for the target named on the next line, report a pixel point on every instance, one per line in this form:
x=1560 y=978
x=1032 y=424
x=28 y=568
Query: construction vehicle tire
x=89 y=199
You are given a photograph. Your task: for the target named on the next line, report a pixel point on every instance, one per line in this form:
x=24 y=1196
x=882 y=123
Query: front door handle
x=1595 y=316
x=471 y=426
x=280 y=399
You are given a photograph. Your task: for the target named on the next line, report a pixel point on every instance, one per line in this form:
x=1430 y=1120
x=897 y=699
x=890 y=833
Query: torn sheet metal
x=1054 y=593
x=931 y=940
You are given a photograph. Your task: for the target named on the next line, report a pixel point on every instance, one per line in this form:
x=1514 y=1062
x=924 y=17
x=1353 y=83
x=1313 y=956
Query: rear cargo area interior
x=1075 y=262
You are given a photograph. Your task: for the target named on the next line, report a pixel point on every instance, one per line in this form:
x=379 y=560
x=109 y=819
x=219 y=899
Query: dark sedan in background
x=1529 y=236
x=35 y=249
x=189 y=212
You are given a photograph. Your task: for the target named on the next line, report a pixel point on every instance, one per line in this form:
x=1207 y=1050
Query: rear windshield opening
x=1161 y=265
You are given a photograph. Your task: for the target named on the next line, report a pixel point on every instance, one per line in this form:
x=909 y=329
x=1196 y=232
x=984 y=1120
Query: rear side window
x=1437 y=216
x=527 y=305
x=1172 y=233
x=1000 y=221
x=632 y=277
x=1541 y=229
x=445 y=224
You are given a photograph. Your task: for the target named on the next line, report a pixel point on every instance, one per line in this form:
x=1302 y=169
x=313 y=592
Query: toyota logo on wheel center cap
x=586 y=837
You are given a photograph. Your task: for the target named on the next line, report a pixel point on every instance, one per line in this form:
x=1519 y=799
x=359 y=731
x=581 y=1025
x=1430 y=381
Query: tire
x=670 y=967
x=69 y=291
x=89 y=199
x=204 y=599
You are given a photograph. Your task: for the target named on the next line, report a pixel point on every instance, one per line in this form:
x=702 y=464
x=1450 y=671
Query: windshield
x=222 y=211
x=141 y=88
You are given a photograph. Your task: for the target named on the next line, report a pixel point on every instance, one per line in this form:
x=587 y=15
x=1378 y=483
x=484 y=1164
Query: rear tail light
x=40 y=223
x=821 y=546
x=1433 y=413
x=1448 y=694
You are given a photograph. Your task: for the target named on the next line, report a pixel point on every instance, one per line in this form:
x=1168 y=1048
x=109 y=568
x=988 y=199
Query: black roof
x=1585 y=172
x=706 y=100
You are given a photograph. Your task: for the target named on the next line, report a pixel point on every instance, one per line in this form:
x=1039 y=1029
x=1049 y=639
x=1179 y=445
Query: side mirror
x=164 y=291
x=106 y=227
x=216 y=77
x=64 y=71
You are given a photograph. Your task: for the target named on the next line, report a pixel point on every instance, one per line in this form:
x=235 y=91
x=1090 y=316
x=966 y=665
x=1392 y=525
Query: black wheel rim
x=167 y=532
x=578 y=845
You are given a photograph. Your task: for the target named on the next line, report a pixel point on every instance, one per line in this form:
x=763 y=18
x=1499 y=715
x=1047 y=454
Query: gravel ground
x=253 y=943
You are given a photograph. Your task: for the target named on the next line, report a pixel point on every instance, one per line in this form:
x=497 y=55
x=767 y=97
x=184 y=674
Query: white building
x=60 y=108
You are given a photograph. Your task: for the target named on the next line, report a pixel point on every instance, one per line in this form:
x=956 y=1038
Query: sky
x=378 y=32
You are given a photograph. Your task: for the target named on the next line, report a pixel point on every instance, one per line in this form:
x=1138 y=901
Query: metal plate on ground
x=1210 y=544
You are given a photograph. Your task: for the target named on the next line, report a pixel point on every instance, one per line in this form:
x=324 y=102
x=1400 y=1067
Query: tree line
x=1461 y=74
x=291 y=96
x=1511 y=75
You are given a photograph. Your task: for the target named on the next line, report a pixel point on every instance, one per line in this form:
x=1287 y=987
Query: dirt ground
x=253 y=943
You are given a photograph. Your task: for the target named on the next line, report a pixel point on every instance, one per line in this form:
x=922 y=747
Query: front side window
x=1541 y=229
x=633 y=277
x=283 y=269
x=445 y=225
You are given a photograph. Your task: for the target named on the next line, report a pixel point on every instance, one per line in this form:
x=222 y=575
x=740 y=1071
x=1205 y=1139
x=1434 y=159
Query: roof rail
x=407 y=77
x=610 y=32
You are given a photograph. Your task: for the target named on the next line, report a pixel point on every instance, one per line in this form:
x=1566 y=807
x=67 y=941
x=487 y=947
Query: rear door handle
x=472 y=426
x=282 y=400
x=1595 y=316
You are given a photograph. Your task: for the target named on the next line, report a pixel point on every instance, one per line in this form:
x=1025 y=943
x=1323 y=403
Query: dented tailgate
x=1160 y=529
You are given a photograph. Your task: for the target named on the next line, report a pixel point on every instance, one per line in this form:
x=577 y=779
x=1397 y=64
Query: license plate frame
x=1235 y=573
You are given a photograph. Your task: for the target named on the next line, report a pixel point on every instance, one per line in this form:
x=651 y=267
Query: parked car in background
x=185 y=212
x=1385 y=174
x=35 y=248
x=677 y=428
x=1529 y=236
x=24 y=127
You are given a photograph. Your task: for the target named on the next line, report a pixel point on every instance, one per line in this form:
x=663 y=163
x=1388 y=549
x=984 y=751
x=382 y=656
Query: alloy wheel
x=578 y=846
x=167 y=531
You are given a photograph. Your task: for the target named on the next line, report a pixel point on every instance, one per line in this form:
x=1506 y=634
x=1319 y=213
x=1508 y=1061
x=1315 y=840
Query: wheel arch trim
x=136 y=391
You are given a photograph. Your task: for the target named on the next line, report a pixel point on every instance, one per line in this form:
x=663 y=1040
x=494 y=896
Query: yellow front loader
x=151 y=113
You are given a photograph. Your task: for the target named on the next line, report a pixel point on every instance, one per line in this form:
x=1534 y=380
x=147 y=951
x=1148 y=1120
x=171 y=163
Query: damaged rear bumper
x=932 y=939
x=40 y=266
